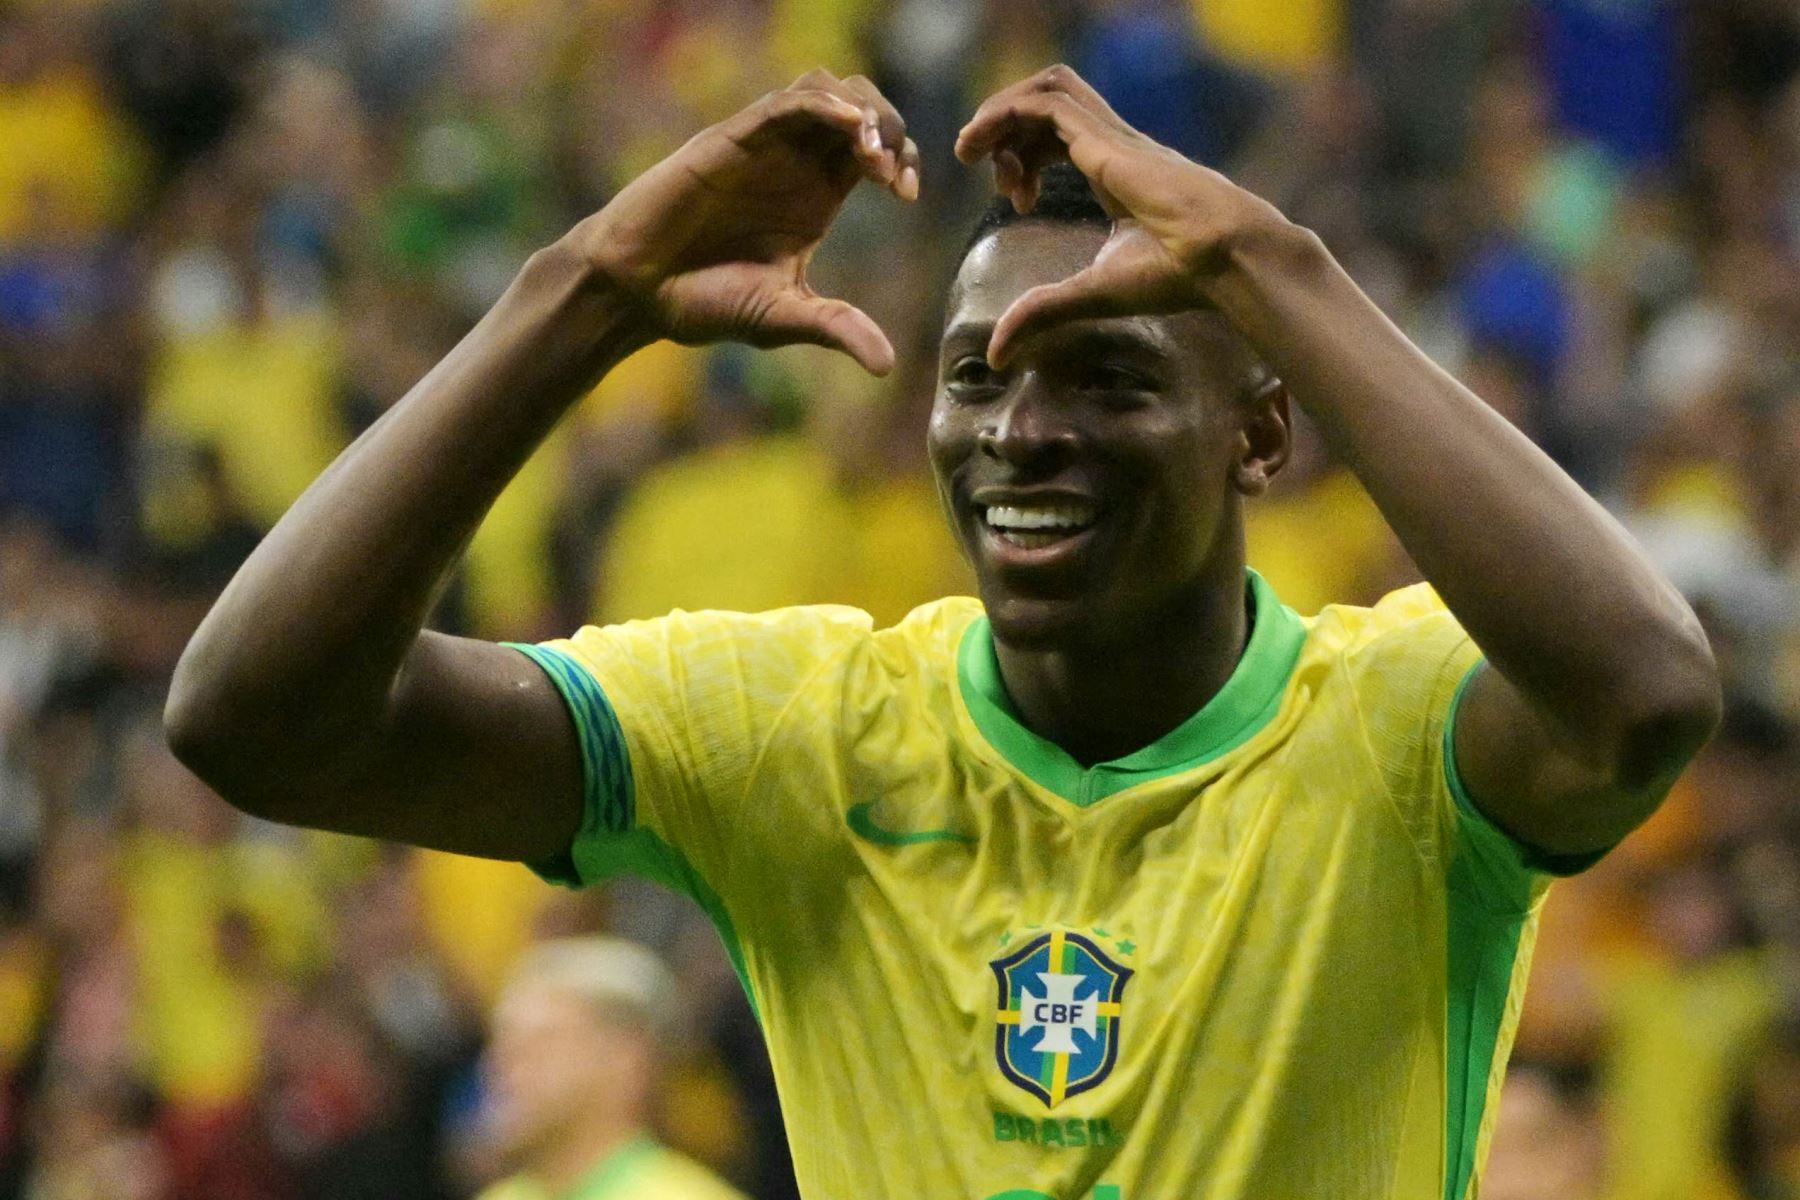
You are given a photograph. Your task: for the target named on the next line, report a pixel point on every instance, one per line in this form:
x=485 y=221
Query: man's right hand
x=711 y=244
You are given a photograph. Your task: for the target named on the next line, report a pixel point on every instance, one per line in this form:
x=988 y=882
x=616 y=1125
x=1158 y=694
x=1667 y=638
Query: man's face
x=553 y=1059
x=1090 y=482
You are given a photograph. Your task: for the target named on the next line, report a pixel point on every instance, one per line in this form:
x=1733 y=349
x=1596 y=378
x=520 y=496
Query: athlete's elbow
x=194 y=717
x=200 y=735
x=211 y=729
x=1671 y=708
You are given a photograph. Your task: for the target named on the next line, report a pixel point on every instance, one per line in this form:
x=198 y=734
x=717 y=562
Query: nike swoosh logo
x=861 y=821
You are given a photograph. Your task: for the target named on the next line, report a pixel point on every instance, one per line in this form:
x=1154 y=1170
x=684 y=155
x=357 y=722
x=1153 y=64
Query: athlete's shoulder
x=1396 y=659
x=806 y=632
x=929 y=624
x=934 y=629
x=1408 y=614
x=820 y=648
x=832 y=621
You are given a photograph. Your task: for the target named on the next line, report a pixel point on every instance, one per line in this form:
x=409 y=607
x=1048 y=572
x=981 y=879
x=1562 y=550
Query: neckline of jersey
x=1247 y=702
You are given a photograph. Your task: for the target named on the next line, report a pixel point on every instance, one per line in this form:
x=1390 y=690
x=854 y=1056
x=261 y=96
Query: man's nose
x=1027 y=426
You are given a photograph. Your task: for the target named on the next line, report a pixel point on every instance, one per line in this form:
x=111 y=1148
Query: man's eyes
x=1110 y=377
x=973 y=372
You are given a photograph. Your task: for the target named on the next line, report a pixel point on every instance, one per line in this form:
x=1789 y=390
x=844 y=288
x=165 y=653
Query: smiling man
x=1122 y=882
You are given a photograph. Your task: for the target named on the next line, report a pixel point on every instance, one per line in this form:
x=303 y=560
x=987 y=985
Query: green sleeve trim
x=1482 y=951
x=610 y=842
x=641 y=853
x=1490 y=890
x=609 y=800
x=1478 y=826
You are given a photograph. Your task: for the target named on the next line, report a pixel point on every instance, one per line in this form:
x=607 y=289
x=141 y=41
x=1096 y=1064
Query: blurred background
x=233 y=231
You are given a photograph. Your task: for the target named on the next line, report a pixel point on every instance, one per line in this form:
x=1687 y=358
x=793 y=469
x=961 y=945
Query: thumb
x=1080 y=296
x=794 y=316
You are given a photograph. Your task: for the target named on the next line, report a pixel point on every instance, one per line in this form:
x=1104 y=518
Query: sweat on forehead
x=1010 y=258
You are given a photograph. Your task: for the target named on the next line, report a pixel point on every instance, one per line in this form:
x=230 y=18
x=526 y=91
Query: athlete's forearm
x=1552 y=589
x=302 y=651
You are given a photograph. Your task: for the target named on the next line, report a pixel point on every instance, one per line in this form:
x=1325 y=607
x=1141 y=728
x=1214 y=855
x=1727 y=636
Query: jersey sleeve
x=673 y=716
x=1409 y=673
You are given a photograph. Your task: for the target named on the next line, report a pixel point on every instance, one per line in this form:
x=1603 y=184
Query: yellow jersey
x=1275 y=955
x=639 y=1170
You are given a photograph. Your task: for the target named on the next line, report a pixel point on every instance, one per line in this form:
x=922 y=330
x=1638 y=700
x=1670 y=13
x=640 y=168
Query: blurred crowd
x=233 y=231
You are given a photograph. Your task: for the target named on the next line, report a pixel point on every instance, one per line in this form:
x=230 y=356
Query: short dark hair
x=1063 y=195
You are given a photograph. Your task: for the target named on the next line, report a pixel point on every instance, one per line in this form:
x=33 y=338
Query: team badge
x=1057 y=1031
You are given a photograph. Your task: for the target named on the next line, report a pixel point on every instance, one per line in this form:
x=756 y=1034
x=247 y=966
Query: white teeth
x=1045 y=516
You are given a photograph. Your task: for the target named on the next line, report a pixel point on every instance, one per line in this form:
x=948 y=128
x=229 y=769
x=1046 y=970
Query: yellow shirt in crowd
x=1292 y=36
x=264 y=394
x=67 y=159
x=1323 y=543
x=767 y=523
x=1682 y=1041
x=199 y=1015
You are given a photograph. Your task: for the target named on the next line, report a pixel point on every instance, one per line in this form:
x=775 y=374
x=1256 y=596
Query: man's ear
x=1265 y=439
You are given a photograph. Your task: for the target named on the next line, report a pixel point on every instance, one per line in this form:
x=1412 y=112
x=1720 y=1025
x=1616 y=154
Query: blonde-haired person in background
x=574 y=1060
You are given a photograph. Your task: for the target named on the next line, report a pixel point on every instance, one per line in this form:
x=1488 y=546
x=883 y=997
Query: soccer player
x=1122 y=882
x=573 y=1062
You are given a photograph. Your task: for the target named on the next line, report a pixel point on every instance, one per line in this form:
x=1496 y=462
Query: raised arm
x=1602 y=685
x=311 y=694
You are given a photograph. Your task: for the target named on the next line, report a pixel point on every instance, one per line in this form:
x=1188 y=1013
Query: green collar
x=611 y=1172
x=1246 y=703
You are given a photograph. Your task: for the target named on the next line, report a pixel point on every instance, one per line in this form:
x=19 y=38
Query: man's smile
x=1033 y=528
x=1035 y=525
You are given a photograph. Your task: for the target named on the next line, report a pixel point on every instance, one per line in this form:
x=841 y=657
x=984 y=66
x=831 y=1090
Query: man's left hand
x=1176 y=224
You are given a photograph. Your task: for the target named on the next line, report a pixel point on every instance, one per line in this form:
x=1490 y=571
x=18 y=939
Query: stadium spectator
x=574 y=1067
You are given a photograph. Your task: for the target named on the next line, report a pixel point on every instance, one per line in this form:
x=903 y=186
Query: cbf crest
x=1057 y=1031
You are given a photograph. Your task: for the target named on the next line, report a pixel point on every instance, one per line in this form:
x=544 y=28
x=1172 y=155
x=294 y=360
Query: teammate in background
x=1123 y=882
x=573 y=1061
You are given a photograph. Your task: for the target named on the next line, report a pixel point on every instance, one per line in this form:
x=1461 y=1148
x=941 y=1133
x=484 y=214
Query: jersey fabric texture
x=1276 y=954
x=639 y=1170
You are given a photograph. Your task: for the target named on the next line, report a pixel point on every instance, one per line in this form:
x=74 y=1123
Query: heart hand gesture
x=712 y=243
x=1175 y=222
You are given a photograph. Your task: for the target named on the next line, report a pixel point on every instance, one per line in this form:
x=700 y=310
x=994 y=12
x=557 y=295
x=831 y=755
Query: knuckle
x=806 y=100
x=815 y=78
x=1058 y=75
